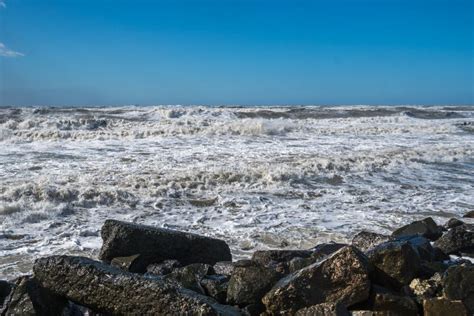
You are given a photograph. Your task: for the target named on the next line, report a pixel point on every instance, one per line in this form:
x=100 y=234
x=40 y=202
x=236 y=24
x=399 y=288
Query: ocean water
x=257 y=177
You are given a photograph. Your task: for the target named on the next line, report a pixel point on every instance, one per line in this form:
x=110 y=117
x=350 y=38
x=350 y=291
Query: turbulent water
x=258 y=177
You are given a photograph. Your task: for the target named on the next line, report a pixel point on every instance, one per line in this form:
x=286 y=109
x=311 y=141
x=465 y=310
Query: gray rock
x=133 y=263
x=5 y=289
x=163 y=268
x=121 y=239
x=367 y=240
x=224 y=267
x=249 y=282
x=396 y=263
x=266 y=257
x=458 y=284
x=322 y=251
x=341 y=278
x=324 y=309
x=453 y=222
x=384 y=300
x=190 y=276
x=469 y=214
x=110 y=290
x=456 y=240
x=426 y=228
x=215 y=286
x=441 y=306
x=27 y=297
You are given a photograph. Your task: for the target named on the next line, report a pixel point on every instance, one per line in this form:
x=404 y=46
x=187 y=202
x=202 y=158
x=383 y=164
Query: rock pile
x=146 y=270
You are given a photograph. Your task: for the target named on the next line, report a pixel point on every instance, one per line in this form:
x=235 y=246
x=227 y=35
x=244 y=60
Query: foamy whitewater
x=257 y=177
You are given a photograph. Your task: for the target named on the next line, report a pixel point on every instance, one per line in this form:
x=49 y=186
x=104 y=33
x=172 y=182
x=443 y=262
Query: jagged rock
x=428 y=269
x=215 y=286
x=469 y=214
x=253 y=309
x=27 y=297
x=224 y=267
x=190 y=276
x=5 y=289
x=107 y=289
x=427 y=288
x=121 y=239
x=384 y=300
x=266 y=257
x=396 y=263
x=324 y=309
x=367 y=240
x=458 y=284
x=426 y=228
x=453 y=222
x=456 y=240
x=298 y=263
x=421 y=245
x=163 y=268
x=249 y=282
x=341 y=278
x=133 y=263
x=443 y=307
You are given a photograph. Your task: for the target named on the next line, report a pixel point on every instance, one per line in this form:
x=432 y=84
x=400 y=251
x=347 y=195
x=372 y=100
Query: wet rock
x=456 y=240
x=441 y=306
x=27 y=297
x=384 y=300
x=215 y=286
x=453 y=222
x=427 y=288
x=107 y=289
x=458 y=284
x=396 y=263
x=253 y=309
x=190 y=276
x=5 y=289
x=469 y=214
x=121 y=239
x=266 y=257
x=224 y=267
x=324 y=309
x=428 y=269
x=426 y=228
x=367 y=240
x=341 y=278
x=322 y=251
x=249 y=282
x=298 y=263
x=422 y=246
x=163 y=268
x=131 y=263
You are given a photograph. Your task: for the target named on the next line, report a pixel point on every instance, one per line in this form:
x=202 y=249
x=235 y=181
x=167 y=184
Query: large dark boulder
x=106 y=289
x=322 y=251
x=441 y=306
x=249 y=282
x=28 y=297
x=215 y=286
x=324 y=309
x=426 y=227
x=453 y=222
x=458 y=284
x=121 y=239
x=457 y=240
x=190 y=276
x=396 y=263
x=5 y=290
x=341 y=278
x=367 y=240
x=163 y=268
x=267 y=257
x=469 y=214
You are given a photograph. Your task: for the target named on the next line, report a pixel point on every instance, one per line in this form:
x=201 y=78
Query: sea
x=258 y=177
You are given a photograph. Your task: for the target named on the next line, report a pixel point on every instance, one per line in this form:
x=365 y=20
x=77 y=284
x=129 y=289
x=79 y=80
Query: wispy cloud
x=3 y=4
x=6 y=52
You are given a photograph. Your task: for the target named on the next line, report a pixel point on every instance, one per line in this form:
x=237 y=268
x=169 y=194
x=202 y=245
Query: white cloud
x=3 y=4
x=6 y=52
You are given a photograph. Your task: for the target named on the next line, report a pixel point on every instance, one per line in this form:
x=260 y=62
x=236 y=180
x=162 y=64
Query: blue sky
x=93 y=52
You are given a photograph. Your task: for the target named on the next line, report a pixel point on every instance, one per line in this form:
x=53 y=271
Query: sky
x=217 y=52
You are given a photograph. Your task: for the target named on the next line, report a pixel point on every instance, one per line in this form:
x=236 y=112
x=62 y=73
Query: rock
x=458 y=284
x=341 y=278
x=266 y=257
x=190 y=276
x=215 y=286
x=396 y=263
x=27 y=297
x=298 y=263
x=441 y=306
x=106 y=289
x=421 y=245
x=469 y=214
x=384 y=300
x=121 y=239
x=367 y=240
x=131 y=263
x=5 y=289
x=322 y=251
x=371 y=313
x=453 y=222
x=428 y=269
x=456 y=240
x=249 y=282
x=427 y=288
x=425 y=228
x=224 y=267
x=163 y=268
x=324 y=309
x=253 y=309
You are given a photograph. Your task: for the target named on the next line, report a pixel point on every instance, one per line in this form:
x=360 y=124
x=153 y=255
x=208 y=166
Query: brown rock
x=458 y=284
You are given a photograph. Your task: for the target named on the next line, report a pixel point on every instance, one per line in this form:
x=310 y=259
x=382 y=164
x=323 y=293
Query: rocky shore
x=417 y=270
